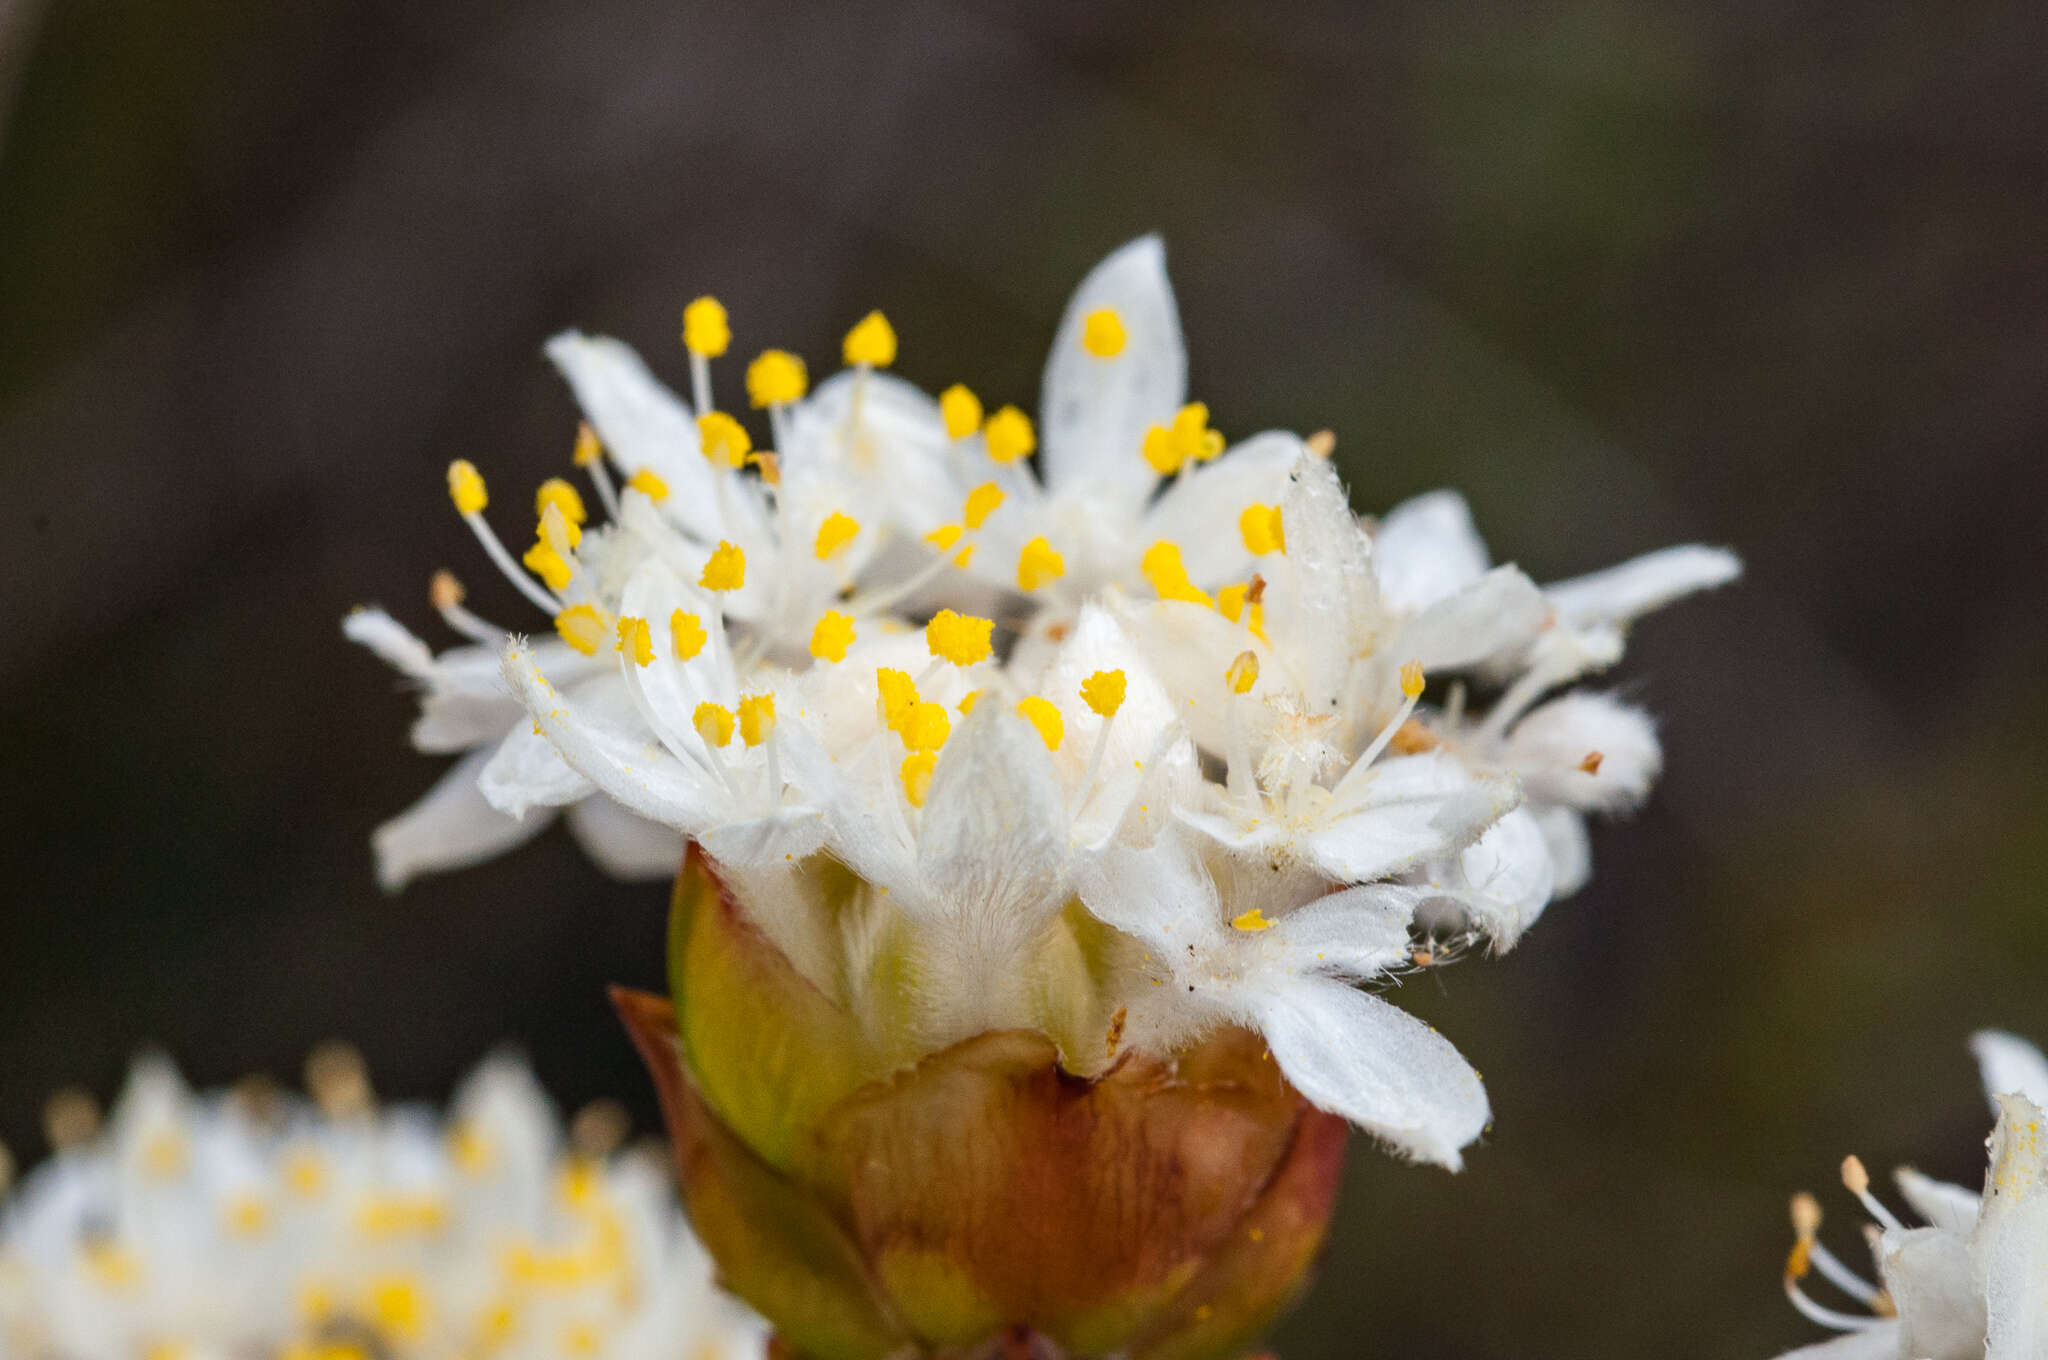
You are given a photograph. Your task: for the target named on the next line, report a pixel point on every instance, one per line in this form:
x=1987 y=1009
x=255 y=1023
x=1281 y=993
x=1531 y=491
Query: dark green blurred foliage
x=1627 y=274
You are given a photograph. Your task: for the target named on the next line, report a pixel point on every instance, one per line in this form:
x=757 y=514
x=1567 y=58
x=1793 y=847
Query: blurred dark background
x=1625 y=273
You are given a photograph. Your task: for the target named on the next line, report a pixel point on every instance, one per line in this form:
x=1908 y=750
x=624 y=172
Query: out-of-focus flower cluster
x=1128 y=733
x=253 y=1223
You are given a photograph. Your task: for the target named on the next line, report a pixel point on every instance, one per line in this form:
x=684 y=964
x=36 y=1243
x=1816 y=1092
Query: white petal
x=526 y=771
x=622 y=844
x=1927 y=1273
x=1500 y=613
x=1326 y=606
x=858 y=796
x=1623 y=593
x=1381 y=1068
x=2010 y=1065
x=899 y=445
x=1161 y=894
x=1093 y=413
x=1359 y=932
x=1399 y=812
x=2011 y=1245
x=994 y=833
x=642 y=424
x=1504 y=880
x=1552 y=746
x=1945 y=1206
x=393 y=643
x=1876 y=1343
x=452 y=827
x=1200 y=513
x=1571 y=850
x=1426 y=549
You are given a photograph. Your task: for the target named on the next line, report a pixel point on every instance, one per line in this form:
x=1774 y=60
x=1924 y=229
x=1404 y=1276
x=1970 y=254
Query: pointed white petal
x=898 y=445
x=526 y=771
x=1927 y=1273
x=1504 y=880
x=2010 y=1065
x=452 y=827
x=1161 y=894
x=994 y=836
x=393 y=643
x=1381 y=1068
x=642 y=424
x=1396 y=813
x=1357 y=933
x=1499 y=613
x=1200 y=513
x=1876 y=1343
x=2011 y=1242
x=1950 y=1207
x=1552 y=748
x=1623 y=593
x=1324 y=604
x=1571 y=850
x=622 y=844
x=1094 y=412
x=1426 y=550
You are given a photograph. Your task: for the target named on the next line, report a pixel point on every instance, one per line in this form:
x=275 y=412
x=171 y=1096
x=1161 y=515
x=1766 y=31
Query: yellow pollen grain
x=961 y=410
x=582 y=627
x=981 y=503
x=686 y=634
x=564 y=497
x=831 y=636
x=1037 y=564
x=872 y=342
x=1411 y=679
x=925 y=726
x=552 y=568
x=835 y=533
x=726 y=569
x=775 y=378
x=961 y=639
x=964 y=556
x=1009 y=435
x=1262 y=530
x=635 y=640
x=945 y=536
x=757 y=718
x=466 y=488
x=1251 y=922
x=589 y=448
x=1104 y=692
x=649 y=485
x=916 y=773
x=897 y=694
x=1191 y=429
x=1243 y=673
x=1044 y=715
x=724 y=440
x=714 y=723
x=705 y=328
x=1102 y=333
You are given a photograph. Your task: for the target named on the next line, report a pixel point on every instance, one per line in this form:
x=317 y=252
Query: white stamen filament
x=1826 y=1317
x=1379 y=743
x=1843 y=1278
x=457 y=617
x=549 y=603
x=700 y=383
x=601 y=482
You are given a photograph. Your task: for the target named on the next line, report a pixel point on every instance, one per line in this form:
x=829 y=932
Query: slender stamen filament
x=1411 y=694
x=1826 y=1317
x=1857 y=1180
x=502 y=559
x=1845 y=1279
x=446 y=593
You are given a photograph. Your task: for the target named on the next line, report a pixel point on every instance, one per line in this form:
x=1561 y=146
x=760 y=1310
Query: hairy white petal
x=1504 y=880
x=526 y=771
x=642 y=424
x=2010 y=1065
x=393 y=643
x=623 y=844
x=1359 y=932
x=452 y=827
x=1094 y=412
x=1624 y=593
x=1200 y=512
x=1875 y=1343
x=1500 y=613
x=1949 y=1207
x=1927 y=1273
x=1426 y=550
x=1571 y=850
x=1552 y=747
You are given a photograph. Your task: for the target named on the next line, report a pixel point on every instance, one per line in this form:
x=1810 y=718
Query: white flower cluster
x=251 y=1224
x=1973 y=1283
x=1121 y=747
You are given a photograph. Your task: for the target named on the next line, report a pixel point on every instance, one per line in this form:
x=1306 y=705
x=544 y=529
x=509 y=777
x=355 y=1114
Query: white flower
x=1974 y=1281
x=208 y=1228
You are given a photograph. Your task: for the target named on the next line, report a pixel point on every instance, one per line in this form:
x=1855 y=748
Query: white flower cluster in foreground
x=1973 y=1283
x=251 y=1224
x=1155 y=682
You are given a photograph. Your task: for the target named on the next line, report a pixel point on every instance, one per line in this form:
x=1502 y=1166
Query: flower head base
x=253 y=1223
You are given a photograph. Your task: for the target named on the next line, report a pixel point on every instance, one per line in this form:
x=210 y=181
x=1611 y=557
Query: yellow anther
x=1162 y=567
x=713 y=723
x=549 y=565
x=775 y=378
x=1169 y=448
x=945 y=536
x=1102 y=334
x=1805 y=1215
x=1230 y=601
x=1243 y=673
x=1037 y=563
x=961 y=410
x=1262 y=529
x=444 y=591
x=726 y=569
x=757 y=718
x=647 y=484
x=1322 y=443
x=897 y=693
x=466 y=488
x=1160 y=451
x=835 y=533
x=398 y=1306
x=768 y=465
x=1855 y=1178
x=1411 y=679
x=635 y=641
x=686 y=634
x=831 y=636
x=725 y=441
x=246 y=1215
x=305 y=1174
x=589 y=448
x=582 y=627
x=872 y=341
x=961 y=639
x=705 y=330
x=981 y=503
x=970 y=699
x=558 y=493
x=1104 y=692
x=917 y=775
x=1009 y=435
x=1044 y=715
x=925 y=726
x=1251 y=921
